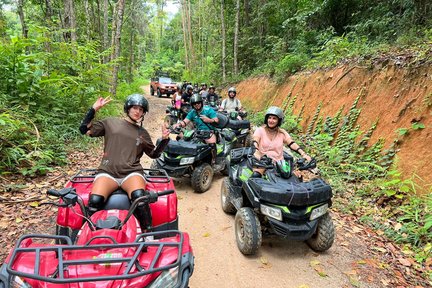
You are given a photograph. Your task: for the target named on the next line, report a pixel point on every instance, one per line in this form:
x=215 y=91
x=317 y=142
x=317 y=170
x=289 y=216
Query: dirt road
x=279 y=263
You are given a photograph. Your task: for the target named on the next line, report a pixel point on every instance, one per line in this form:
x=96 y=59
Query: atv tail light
x=167 y=279
x=187 y=160
x=318 y=212
x=18 y=282
x=272 y=212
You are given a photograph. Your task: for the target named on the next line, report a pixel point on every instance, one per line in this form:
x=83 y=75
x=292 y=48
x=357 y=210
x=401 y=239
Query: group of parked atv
x=108 y=248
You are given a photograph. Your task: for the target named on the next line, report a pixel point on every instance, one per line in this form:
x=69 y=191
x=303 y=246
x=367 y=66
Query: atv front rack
x=131 y=263
x=156 y=175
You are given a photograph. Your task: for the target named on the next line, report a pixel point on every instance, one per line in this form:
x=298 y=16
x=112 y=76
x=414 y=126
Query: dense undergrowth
x=364 y=177
x=44 y=94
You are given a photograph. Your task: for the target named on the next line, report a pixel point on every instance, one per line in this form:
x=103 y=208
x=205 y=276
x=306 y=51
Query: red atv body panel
x=36 y=261
x=163 y=211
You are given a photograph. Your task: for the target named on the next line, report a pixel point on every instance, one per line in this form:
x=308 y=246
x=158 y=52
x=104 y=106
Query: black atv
x=174 y=115
x=277 y=203
x=241 y=128
x=191 y=156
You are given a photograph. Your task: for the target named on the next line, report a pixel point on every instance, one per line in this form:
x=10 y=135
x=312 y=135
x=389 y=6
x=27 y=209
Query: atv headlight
x=187 y=160
x=18 y=282
x=244 y=131
x=166 y=279
x=272 y=212
x=318 y=212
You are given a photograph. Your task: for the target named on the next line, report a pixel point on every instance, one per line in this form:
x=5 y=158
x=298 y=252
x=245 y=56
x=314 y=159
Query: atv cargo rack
x=63 y=251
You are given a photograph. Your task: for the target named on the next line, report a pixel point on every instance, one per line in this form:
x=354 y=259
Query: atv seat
x=117 y=200
x=184 y=148
x=238 y=124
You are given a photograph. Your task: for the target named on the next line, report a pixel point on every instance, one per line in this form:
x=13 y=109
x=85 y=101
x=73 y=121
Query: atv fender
x=235 y=196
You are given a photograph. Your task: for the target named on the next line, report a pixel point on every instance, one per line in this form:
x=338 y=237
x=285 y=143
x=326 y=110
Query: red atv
x=108 y=248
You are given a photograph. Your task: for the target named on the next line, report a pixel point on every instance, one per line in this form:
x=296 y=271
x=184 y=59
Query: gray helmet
x=196 y=98
x=276 y=111
x=232 y=89
x=136 y=100
x=179 y=87
x=189 y=87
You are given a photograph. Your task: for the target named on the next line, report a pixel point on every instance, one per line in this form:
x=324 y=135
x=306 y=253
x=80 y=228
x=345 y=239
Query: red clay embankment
x=394 y=95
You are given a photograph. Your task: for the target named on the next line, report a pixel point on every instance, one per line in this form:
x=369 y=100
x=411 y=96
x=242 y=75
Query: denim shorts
x=119 y=181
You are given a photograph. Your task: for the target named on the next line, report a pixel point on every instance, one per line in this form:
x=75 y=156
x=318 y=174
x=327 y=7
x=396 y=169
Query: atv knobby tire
x=248 y=231
x=202 y=178
x=324 y=236
x=151 y=91
x=158 y=92
x=227 y=206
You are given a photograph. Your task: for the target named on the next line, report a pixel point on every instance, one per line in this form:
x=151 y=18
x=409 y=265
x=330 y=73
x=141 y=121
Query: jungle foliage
x=282 y=37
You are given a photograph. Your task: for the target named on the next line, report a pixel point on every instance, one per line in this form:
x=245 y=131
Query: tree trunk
x=69 y=21
x=117 y=26
x=191 y=46
x=223 y=40
x=87 y=19
x=24 y=27
x=185 y=33
x=105 y=42
x=48 y=12
x=246 y=13
x=236 y=34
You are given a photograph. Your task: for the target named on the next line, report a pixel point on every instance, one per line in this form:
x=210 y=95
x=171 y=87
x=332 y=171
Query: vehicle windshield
x=163 y=80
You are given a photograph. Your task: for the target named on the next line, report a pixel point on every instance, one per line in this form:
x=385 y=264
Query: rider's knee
x=96 y=202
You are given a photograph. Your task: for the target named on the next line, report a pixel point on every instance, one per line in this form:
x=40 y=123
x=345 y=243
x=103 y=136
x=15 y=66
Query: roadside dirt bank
x=392 y=93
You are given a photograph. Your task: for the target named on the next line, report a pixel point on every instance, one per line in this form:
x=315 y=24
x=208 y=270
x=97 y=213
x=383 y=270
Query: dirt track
x=279 y=263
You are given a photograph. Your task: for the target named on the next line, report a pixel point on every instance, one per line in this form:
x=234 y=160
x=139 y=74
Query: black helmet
x=196 y=98
x=189 y=87
x=276 y=111
x=232 y=89
x=136 y=100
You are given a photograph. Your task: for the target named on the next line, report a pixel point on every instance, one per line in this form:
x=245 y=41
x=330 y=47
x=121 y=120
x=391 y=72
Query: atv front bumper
x=173 y=171
x=298 y=231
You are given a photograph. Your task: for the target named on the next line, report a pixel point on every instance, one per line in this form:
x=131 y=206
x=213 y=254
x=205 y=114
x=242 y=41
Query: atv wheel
x=65 y=231
x=227 y=206
x=151 y=91
x=323 y=238
x=159 y=94
x=248 y=231
x=202 y=178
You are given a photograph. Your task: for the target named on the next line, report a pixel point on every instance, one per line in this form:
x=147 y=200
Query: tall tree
x=222 y=11
x=24 y=27
x=236 y=37
x=105 y=43
x=117 y=27
x=70 y=21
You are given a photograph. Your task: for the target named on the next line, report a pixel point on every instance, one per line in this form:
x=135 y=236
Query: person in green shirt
x=202 y=116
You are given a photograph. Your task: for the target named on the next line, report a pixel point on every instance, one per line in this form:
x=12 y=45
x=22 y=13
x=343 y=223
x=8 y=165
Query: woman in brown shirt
x=125 y=141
